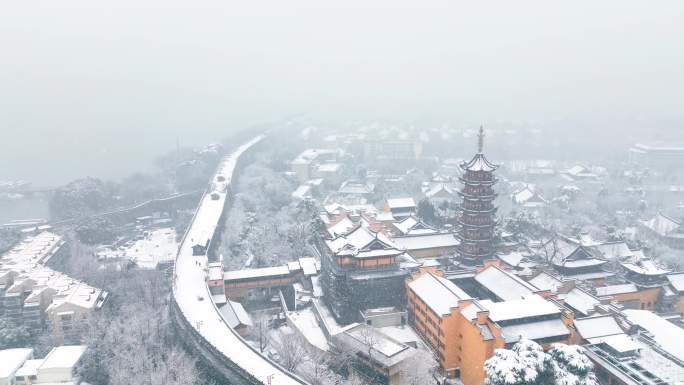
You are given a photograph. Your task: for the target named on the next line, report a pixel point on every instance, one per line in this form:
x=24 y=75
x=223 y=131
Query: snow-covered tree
x=508 y=368
x=527 y=364
x=571 y=365
x=13 y=336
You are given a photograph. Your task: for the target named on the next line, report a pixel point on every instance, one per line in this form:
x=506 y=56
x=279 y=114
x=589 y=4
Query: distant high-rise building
x=478 y=212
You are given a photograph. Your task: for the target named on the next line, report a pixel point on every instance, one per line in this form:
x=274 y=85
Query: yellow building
x=465 y=331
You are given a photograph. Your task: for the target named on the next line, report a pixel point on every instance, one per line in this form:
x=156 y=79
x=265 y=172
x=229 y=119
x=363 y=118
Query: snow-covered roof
x=513 y=258
x=263 y=272
x=306 y=323
x=362 y=243
x=616 y=289
x=406 y=224
x=530 y=306
x=645 y=267
x=666 y=334
x=677 y=281
x=527 y=195
x=356 y=188
x=302 y=192
x=503 y=284
x=575 y=170
x=329 y=167
x=30 y=368
x=438 y=293
x=581 y=301
x=235 y=314
x=27 y=263
x=662 y=225
x=63 y=357
x=413 y=226
x=534 y=330
x=309 y=155
x=342 y=227
x=384 y=216
x=426 y=241
x=308 y=265
x=614 y=250
x=401 y=203
x=479 y=163
x=599 y=326
x=546 y=281
x=383 y=349
x=583 y=263
x=215 y=271
x=439 y=189
x=620 y=343
x=11 y=360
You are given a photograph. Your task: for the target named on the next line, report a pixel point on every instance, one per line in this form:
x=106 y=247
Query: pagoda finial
x=480 y=140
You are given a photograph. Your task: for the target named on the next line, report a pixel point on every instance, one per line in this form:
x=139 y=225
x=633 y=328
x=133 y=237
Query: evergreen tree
x=527 y=364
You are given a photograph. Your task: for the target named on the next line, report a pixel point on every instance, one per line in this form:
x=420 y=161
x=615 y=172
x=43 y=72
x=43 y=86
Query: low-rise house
x=401 y=207
x=57 y=367
x=382 y=355
x=439 y=193
x=528 y=197
x=306 y=164
x=234 y=314
x=11 y=361
x=666 y=334
x=630 y=296
x=667 y=229
x=35 y=295
x=412 y=226
x=673 y=293
x=620 y=358
x=579 y=301
x=356 y=189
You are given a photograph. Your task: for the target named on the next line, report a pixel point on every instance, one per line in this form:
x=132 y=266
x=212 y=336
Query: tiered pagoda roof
x=477 y=219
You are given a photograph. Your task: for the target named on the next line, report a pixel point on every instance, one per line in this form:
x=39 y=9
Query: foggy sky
x=100 y=88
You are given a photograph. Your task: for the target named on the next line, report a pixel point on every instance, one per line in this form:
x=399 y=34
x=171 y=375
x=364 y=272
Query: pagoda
x=477 y=218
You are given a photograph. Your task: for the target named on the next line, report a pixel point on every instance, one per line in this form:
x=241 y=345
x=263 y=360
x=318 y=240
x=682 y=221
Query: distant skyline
x=102 y=88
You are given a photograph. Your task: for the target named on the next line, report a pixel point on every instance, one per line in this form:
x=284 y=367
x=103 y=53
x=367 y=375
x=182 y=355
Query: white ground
x=305 y=321
x=158 y=246
x=192 y=294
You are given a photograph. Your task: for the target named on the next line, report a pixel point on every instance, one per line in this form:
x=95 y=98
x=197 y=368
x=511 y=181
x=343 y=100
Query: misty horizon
x=104 y=90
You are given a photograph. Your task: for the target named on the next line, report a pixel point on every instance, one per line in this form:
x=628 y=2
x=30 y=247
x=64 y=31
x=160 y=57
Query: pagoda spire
x=480 y=140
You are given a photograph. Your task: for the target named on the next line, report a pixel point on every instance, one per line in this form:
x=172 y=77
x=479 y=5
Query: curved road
x=192 y=297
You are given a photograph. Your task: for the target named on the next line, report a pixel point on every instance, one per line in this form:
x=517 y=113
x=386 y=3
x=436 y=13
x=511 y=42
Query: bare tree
x=261 y=331
x=419 y=369
x=318 y=369
x=370 y=340
x=550 y=249
x=292 y=350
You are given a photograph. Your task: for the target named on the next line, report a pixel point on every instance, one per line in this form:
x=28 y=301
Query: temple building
x=477 y=219
x=360 y=271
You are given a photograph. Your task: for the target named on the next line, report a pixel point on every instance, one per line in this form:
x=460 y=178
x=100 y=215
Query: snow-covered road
x=191 y=292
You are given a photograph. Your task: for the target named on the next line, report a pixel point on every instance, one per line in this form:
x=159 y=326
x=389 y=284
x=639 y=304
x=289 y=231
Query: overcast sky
x=95 y=87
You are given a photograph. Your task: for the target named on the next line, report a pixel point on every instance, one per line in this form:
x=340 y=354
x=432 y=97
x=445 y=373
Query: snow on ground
x=403 y=333
x=192 y=294
x=305 y=321
x=157 y=246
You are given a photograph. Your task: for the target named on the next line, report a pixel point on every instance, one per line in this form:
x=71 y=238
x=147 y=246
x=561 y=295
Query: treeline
x=180 y=171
